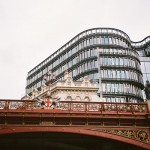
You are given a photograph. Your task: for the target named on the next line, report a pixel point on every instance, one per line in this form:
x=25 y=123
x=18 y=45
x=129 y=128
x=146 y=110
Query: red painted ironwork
x=126 y=122
x=101 y=107
x=76 y=130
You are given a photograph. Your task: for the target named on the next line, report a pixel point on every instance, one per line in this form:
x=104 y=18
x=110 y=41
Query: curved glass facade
x=120 y=69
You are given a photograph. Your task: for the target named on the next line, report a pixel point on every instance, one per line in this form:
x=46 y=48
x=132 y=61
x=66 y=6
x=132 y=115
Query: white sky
x=31 y=30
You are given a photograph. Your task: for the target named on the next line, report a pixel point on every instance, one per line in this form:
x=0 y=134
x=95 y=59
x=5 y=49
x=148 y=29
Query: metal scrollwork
x=137 y=135
x=2 y=105
x=142 y=135
x=93 y=107
x=64 y=106
x=78 y=107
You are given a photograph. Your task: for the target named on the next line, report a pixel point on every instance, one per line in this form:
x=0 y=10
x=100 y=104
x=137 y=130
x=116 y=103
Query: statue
x=147 y=90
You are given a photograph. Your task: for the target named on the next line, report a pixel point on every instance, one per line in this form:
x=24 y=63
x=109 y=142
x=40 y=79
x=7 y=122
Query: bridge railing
x=104 y=107
x=6 y=104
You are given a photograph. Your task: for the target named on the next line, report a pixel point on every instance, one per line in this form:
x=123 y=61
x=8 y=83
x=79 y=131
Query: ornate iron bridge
x=125 y=122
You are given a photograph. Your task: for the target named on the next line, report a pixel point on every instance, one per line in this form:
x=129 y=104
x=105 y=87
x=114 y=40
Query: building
x=67 y=90
x=144 y=53
x=107 y=56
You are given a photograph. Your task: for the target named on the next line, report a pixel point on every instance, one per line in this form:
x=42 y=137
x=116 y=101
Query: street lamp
x=48 y=78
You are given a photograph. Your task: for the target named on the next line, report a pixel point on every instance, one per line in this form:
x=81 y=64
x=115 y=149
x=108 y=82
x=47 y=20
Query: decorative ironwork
x=140 y=135
x=64 y=106
x=77 y=106
x=2 y=104
x=94 y=107
x=17 y=104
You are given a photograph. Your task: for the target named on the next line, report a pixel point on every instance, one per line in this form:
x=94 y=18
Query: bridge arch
x=74 y=130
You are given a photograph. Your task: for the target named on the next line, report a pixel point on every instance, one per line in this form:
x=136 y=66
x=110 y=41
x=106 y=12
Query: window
x=110 y=40
x=85 y=66
x=88 y=52
x=85 y=52
x=89 y=65
x=102 y=40
x=96 y=64
x=106 y=40
x=74 y=72
x=87 y=98
x=69 y=98
x=78 y=98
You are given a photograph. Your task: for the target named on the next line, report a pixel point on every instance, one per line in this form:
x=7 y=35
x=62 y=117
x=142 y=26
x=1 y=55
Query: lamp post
x=48 y=78
x=100 y=91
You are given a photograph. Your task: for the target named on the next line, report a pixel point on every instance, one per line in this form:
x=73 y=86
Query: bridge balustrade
x=102 y=107
x=126 y=122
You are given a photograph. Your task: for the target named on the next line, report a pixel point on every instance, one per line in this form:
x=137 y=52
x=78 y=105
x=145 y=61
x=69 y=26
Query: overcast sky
x=31 y=30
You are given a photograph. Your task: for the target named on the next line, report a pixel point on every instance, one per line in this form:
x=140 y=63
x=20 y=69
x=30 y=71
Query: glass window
x=121 y=62
x=74 y=61
x=79 y=46
x=117 y=61
x=89 y=53
x=88 y=43
x=94 y=52
x=85 y=66
x=82 y=55
x=110 y=40
x=147 y=67
x=104 y=87
x=117 y=41
x=108 y=99
x=102 y=40
x=148 y=76
x=85 y=54
x=106 y=40
x=91 y=41
x=110 y=51
x=74 y=72
x=95 y=75
x=125 y=62
x=92 y=64
x=80 y=68
x=89 y=65
x=70 y=63
x=99 y=40
x=94 y=40
x=84 y=43
x=114 y=73
x=91 y=76
x=114 y=40
x=108 y=88
x=96 y=64
x=113 y=61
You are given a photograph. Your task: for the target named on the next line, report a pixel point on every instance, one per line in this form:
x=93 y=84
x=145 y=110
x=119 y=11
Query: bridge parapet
x=9 y=104
x=103 y=107
x=126 y=122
